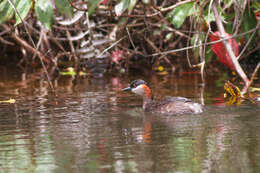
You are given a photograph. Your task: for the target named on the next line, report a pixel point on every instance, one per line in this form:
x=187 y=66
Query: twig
x=176 y=5
x=130 y=38
x=198 y=45
x=245 y=47
x=27 y=45
x=112 y=45
x=254 y=74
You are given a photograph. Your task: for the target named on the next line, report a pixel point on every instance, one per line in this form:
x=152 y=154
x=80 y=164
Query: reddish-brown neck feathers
x=148 y=92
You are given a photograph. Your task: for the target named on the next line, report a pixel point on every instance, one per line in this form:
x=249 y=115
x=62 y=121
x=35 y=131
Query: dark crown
x=136 y=83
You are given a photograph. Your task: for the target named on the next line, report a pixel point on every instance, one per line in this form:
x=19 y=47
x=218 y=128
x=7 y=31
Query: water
x=90 y=126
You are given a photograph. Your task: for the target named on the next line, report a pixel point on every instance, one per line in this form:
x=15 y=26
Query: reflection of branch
x=229 y=48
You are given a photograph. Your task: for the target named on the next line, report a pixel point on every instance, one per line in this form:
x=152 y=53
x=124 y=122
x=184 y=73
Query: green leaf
x=44 y=12
x=196 y=40
x=256 y=6
x=208 y=16
x=249 y=22
x=178 y=15
x=23 y=8
x=121 y=7
x=6 y=11
x=68 y=73
x=64 y=7
x=92 y=5
x=131 y=5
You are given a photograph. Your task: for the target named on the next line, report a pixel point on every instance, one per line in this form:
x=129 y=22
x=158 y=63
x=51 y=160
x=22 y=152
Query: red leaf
x=220 y=50
x=104 y=2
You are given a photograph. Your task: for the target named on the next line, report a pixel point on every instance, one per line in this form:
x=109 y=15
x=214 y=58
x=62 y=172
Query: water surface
x=89 y=125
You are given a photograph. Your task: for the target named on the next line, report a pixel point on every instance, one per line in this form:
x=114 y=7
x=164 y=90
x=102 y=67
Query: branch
x=229 y=48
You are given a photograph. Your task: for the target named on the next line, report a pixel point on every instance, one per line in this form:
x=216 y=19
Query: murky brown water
x=90 y=126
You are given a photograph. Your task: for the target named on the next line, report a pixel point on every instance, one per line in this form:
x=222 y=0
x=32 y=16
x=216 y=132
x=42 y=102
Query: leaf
x=234 y=92
x=254 y=89
x=178 y=15
x=23 y=8
x=232 y=89
x=64 y=7
x=69 y=72
x=131 y=5
x=8 y=101
x=6 y=11
x=121 y=7
x=92 y=5
x=208 y=16
x=220 y=50
x=249 y=22
x=44 y=12
x=197 y=38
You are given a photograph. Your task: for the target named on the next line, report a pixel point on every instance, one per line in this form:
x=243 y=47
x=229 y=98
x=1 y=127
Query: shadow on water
x=90 y=126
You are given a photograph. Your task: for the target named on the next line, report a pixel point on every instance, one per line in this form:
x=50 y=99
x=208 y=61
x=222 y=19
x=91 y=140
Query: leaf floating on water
x=11 y=101
x=253 y=89
x=232 y=89
x=233 y=92
x=69 y=72
x=160 y=70
x=81 y=73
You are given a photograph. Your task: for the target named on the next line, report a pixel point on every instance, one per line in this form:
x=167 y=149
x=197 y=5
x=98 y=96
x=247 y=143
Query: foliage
x=178 y=15
x=123 y=32
x=43 y=10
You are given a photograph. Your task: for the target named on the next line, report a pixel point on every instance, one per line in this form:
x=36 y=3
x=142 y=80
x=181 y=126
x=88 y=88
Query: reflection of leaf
x=178 y=15
x=233 y=100
x=8 y=101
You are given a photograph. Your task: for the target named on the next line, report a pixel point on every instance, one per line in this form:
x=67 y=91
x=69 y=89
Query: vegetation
x=122 y=34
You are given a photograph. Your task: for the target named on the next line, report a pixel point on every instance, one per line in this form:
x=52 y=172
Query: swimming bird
x=168 y=106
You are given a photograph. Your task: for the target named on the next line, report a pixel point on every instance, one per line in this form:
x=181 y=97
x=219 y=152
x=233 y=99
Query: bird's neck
x=147 y=97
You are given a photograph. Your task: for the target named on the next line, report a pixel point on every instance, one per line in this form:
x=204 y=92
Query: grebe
x=168 y=106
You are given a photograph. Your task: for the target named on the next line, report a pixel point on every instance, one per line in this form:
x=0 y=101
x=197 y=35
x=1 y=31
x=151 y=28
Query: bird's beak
x=127 y=89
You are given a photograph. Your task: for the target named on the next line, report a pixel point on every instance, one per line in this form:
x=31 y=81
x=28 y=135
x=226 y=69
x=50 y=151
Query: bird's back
x=174 y=105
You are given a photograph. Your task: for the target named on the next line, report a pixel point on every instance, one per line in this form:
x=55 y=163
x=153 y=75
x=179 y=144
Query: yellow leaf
x=232 y=89
x=160 y=68
x=253 y=89
x=8 y=101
